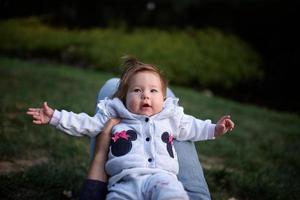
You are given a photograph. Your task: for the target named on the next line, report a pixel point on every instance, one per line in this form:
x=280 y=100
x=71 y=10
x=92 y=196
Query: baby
x=142 y=162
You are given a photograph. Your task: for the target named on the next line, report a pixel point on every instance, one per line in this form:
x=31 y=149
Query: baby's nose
x=145 y=95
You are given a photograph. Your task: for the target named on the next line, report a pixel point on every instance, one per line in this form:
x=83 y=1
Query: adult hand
x=97 y=167
x=103 y=139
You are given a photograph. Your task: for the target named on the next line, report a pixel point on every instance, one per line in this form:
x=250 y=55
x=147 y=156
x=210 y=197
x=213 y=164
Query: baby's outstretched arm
x=41 y=115
x=224 y=125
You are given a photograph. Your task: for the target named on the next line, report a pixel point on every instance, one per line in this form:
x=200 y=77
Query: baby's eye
x=137 y=90
x=154 y=90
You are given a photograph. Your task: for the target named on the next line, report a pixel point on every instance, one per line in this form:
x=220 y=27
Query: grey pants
x=190 y=170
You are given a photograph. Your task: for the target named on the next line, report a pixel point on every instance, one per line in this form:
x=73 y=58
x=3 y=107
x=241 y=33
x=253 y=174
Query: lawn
x=258 y=160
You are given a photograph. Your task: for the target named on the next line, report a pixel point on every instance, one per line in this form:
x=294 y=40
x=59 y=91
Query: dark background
x=269 y=26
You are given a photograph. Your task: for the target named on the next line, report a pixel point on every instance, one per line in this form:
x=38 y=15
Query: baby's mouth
x=145 y=105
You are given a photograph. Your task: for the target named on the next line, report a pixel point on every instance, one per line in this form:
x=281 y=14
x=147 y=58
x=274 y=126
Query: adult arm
x=97 y=166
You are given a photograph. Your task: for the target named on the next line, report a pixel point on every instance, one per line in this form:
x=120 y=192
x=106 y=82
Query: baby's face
x=145 y=95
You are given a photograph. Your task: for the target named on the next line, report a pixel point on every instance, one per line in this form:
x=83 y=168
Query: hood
x=114 y=108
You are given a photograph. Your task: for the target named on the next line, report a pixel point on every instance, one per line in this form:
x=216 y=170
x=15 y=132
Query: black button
x=149 y=159
x=147 y=139
x=147 y=120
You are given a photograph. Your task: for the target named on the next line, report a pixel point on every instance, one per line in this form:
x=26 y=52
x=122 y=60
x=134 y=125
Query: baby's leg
x=164 y=186
x=128 y=188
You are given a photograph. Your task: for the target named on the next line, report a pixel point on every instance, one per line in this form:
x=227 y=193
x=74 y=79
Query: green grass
x=258 y=160
x=205 y=57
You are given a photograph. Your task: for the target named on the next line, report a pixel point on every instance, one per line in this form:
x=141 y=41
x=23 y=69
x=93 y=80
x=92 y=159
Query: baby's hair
x=132 y=66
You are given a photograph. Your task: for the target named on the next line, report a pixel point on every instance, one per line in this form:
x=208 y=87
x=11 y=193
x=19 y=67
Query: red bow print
x=118 y=135
x=171 y=138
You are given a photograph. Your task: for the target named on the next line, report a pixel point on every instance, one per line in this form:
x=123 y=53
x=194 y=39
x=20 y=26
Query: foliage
x=202 y=58
x=258 y=160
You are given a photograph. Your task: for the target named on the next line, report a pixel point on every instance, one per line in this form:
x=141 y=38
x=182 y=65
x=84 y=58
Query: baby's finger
x=33 y=109
x=230 y=125
x=37 y=117
x=31 y=112
x=37 y=122
x=225 y=117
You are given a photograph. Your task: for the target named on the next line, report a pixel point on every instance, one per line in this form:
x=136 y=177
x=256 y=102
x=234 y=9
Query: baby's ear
x=165 y=137
x=132 y=135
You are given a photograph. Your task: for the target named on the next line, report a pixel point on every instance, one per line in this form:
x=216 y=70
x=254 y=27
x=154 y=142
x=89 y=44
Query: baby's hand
x=41 y=115
x=223 y=126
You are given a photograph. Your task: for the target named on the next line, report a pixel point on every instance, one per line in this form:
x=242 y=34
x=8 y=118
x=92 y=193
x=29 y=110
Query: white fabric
x=157 y=186
x=171 y=119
